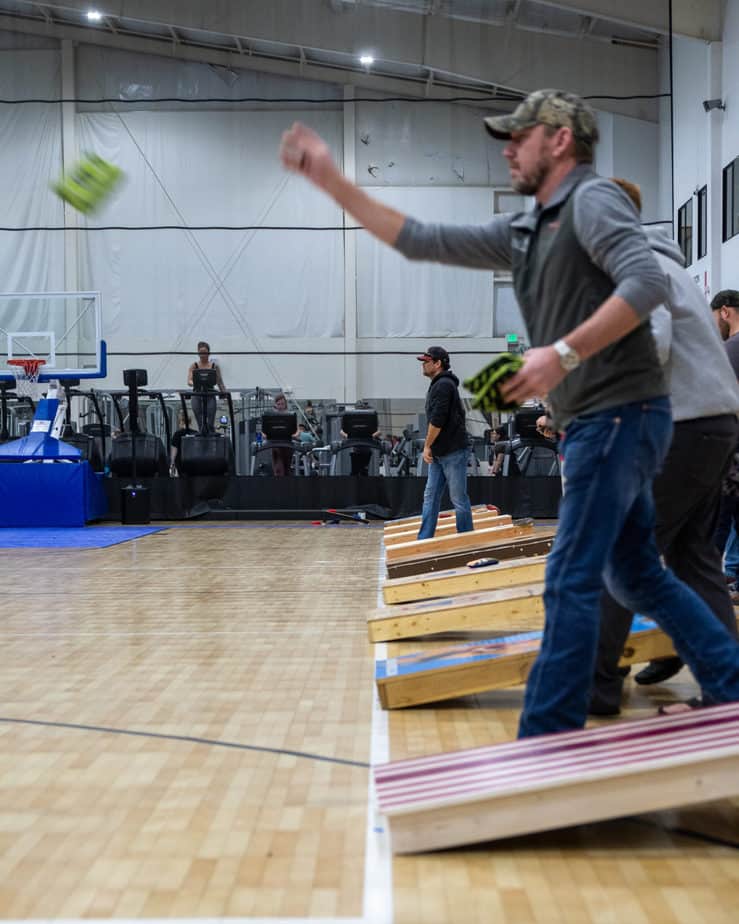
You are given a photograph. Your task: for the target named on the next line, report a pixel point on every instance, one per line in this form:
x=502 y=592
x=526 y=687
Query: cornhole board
x=447 y=528
x=410 y=522
x=474 y=667
x=555 y=781
x=538 y=544
x=510 y=608
x=439 y=545
x=464 y=580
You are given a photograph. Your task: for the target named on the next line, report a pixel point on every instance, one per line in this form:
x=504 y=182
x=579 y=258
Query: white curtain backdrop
x=30 y=159
x=214 y=168
x=400 y=298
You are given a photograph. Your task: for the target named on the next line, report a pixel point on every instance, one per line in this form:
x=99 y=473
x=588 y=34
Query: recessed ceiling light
x=366 y=60
x=94 y=15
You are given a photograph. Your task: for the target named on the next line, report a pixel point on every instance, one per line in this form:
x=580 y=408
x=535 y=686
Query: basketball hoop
x=26 y=373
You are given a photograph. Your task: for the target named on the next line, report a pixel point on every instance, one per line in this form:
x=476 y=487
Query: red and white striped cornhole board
x=554 y=781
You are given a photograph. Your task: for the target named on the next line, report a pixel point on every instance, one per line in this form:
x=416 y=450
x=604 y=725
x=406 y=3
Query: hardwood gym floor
x=186 y=724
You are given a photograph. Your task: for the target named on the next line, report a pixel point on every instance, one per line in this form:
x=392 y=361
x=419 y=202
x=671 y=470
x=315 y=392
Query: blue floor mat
x=84 y=537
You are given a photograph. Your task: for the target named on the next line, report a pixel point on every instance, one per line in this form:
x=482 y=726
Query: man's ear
x=563 y=141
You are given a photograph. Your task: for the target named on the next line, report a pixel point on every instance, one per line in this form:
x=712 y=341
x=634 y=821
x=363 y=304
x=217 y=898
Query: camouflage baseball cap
x=547 y=107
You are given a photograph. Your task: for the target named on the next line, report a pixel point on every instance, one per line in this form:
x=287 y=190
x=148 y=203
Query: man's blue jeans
x=450 y=470
x=606 y=534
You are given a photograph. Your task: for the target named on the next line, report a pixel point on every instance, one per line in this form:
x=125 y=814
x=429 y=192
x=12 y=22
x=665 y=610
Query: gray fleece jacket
x=702 y=382
x=567 y=257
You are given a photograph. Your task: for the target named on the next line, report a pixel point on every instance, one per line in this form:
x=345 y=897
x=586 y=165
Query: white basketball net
x=26 y=375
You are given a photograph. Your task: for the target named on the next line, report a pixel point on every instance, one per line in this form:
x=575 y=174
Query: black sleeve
x=442 y=401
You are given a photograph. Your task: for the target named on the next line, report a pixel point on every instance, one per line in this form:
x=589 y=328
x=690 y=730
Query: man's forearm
x=379 y=219
x=431 y=433
x=613 y=320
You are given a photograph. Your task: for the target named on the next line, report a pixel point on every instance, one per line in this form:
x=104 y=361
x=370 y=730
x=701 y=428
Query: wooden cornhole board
x=539 y=543
x=440 y=545
x=405 y=523
x=554 y=781
x=432 y=676
x=448 y=528
x=510 y=608
x=464 y=580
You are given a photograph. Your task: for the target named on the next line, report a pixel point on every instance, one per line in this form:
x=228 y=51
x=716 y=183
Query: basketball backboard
x=62 y=328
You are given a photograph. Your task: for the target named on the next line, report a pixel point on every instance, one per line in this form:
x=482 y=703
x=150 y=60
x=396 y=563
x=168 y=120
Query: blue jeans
x=606 y=534
x=451 y=470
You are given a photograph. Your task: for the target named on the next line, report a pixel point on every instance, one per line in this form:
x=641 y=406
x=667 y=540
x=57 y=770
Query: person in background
x=705 y=402
x=204 y=408
x=282 y=457
x=445 y=448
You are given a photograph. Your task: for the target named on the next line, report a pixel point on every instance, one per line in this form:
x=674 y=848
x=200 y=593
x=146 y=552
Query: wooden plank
x=508 y=609
x=455 y=581
x=448 y=528
x=462 y=670
x=554 y=781
x=458 y=541
x=538 y=544
x=405 y=523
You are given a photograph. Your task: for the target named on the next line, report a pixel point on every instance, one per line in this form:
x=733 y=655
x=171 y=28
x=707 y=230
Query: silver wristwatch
x=568 y=358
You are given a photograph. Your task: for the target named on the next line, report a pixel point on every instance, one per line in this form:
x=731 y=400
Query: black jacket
x=444 y=410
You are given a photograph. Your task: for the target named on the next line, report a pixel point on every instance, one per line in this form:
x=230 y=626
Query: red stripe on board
x=487 y=784
x=544 y=745
x=556 y=771
x=605 y=751
x=695 y=717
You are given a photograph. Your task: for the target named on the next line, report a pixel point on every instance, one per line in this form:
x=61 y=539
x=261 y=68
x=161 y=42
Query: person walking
x=445 y=445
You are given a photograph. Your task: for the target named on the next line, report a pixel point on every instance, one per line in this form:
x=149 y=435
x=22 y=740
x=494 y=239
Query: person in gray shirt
x=586 y=281
x=705 y=402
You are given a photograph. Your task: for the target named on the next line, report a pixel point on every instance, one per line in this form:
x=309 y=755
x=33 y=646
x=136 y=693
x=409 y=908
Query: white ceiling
x=494 y=49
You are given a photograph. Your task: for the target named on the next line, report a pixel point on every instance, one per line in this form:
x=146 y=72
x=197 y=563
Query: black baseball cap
x=435 y=353
x=728 y=297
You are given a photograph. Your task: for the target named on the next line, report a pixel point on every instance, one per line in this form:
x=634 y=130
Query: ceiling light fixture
x=94 y=15
x=366 y=60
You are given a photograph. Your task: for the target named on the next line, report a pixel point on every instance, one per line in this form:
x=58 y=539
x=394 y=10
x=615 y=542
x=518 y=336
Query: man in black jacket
x=445 y=448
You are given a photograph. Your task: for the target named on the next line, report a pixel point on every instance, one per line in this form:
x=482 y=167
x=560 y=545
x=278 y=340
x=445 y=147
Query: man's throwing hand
x=540 y=373
x=304 y=151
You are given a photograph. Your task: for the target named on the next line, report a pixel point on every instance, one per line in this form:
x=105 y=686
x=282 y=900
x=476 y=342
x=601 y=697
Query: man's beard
x=529 y=185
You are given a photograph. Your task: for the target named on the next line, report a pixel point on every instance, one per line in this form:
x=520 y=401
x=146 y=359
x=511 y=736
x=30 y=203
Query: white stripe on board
x=378 y=864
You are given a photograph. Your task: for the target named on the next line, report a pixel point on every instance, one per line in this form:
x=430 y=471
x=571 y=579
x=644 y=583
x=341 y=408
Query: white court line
x=188 y=921
x=378 y=865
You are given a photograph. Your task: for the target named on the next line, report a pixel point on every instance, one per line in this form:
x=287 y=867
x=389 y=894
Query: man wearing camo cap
x=586 y=281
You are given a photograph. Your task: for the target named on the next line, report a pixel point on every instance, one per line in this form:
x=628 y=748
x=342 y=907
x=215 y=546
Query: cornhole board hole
x=540 y=543
x=509 y=609
x=475 y=667
x=447 y=528
x=464 y=580
x=555 y=781
x=404 y=523
x=439 y=545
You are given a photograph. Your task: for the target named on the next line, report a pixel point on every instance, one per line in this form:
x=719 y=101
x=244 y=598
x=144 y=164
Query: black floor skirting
x=266 y=498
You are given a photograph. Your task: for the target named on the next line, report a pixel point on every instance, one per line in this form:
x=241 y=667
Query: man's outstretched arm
x=305 y=152
x=475 y=246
